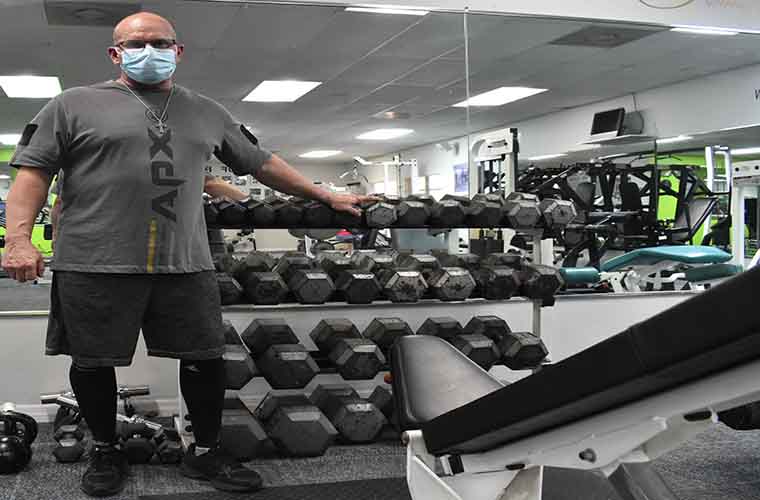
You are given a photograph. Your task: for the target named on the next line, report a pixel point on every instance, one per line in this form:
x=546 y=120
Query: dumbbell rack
x=303 y=318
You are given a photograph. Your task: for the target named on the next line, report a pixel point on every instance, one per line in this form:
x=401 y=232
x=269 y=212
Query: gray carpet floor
x=720 y=464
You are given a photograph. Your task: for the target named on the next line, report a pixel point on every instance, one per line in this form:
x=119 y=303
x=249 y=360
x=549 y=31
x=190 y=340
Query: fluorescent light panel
x=745 y=151
x=385 y=134
x=704 y=30
x=387 y=9
x=280 y=91
x=547 y=157
x=4 y=177
x=326 y=153
x=362 y=161
x=10 y=139
x=500 y=97
x=30 y=87
x=672 y=140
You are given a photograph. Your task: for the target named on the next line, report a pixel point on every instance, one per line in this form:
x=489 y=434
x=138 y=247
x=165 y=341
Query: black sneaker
x=107 y=473
x=223 y=471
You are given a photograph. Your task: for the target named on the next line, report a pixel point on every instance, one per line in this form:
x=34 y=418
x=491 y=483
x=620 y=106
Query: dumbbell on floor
x=137 y=442
x=294 y=424
x=282 y=360
x=356 y=420
x=355 y=358
x=70 y=443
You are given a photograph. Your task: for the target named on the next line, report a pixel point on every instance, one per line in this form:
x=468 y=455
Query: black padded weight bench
x=611 y=408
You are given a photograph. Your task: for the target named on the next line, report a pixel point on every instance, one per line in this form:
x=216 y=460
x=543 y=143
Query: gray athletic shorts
x=96 y=318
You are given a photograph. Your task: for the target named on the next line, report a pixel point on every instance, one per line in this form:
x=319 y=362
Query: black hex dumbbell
x=239 y=368
x=260 y=283
x=518 y=350
x=210 y=212
x=356 y=420
x=230 y=291
x=486 y=210
x=380 y=214
x=479 y=348
x=294 y=424
x=242 y=436
x=258 y=213
x=355 y=357
x=444 y=283
x=412 y=213
x=522 y=211
x=385 y=331
x=557 y=214
x=315 y=214
x=286 y=213
x=136 y=440
x=308 y=285
x=282 y=360
x=70 y=442
x=230 y=212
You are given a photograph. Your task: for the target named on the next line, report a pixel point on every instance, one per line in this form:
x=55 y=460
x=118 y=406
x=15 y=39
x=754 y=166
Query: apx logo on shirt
x=162 y=174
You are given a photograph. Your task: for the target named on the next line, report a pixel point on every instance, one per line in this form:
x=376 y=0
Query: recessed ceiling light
x=500 y=96
x=547 y=157
x=745 y=151
x=28 y=86
x=387 y=9
x=327 y=153
x=280 y=91
x=10 y=139
x=385 y=134
x=671 y=140
x=704 y=30
x=585 y=147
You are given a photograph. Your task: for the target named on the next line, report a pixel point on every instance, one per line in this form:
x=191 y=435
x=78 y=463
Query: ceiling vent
x=64 y=13
x=605 y=37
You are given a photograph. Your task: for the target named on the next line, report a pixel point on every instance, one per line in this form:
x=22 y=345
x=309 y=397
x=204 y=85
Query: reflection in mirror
x=611 y=106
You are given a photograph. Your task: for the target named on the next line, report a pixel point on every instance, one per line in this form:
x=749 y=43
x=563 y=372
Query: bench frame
x=635 y=433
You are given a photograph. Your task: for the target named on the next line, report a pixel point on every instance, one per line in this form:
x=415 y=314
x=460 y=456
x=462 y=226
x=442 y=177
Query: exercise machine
x=611 y=409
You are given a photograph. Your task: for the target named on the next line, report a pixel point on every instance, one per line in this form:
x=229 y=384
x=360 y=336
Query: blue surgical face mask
x=149 y=65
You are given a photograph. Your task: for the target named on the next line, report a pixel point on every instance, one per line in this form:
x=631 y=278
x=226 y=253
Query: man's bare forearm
x=25 y=199
x=217 y=188
x=277 y=174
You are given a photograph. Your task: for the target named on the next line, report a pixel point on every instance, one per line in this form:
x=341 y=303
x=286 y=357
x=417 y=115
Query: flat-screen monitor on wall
x=607 y=124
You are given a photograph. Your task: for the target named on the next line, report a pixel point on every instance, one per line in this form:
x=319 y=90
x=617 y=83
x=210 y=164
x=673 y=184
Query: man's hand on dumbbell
x=346 y=202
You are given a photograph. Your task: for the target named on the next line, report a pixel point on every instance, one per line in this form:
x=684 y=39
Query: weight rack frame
x=315 y=313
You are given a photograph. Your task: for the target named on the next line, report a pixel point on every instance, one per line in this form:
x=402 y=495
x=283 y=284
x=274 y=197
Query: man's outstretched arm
x=25 y=199
x=278 y=174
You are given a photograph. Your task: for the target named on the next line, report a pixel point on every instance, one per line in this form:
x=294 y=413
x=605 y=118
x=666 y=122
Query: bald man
x=132 y=251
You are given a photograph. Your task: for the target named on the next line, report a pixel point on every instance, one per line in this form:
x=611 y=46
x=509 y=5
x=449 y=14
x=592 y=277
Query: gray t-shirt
x=131 y=196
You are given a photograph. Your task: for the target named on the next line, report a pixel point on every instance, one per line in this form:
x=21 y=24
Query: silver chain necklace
x=160 y=122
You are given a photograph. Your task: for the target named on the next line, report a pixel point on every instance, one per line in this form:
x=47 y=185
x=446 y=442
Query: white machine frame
x=635 y=433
